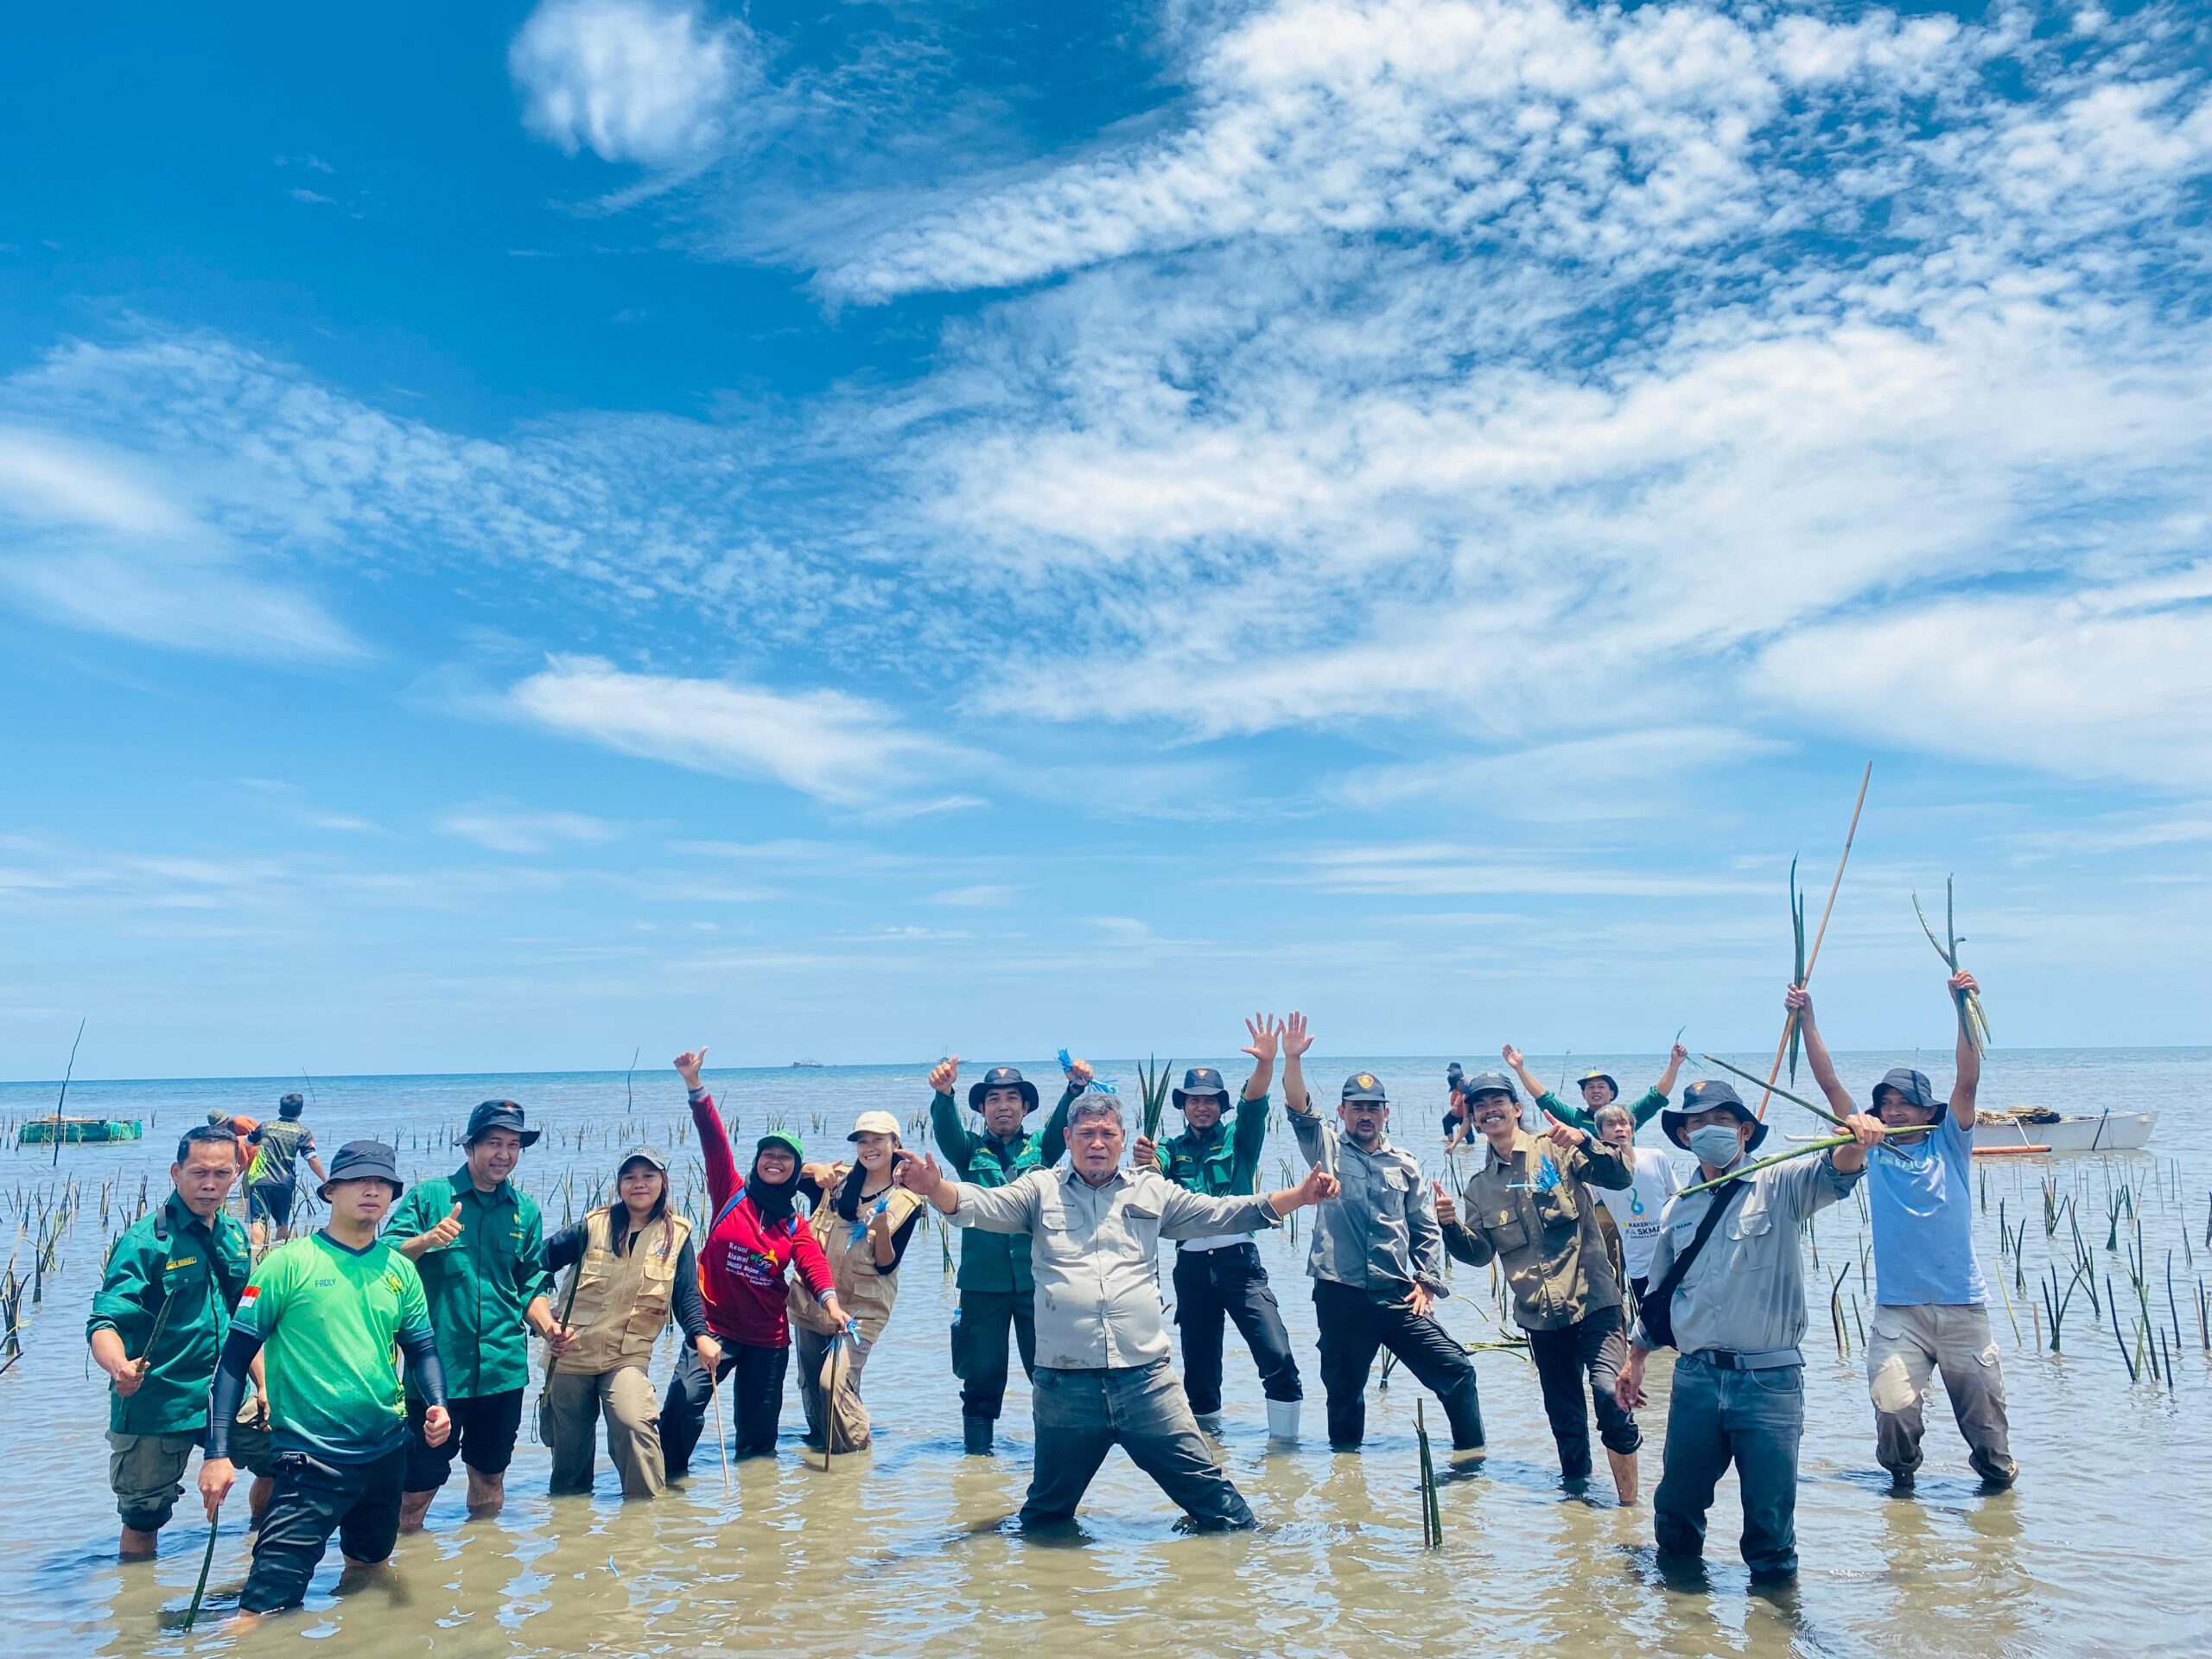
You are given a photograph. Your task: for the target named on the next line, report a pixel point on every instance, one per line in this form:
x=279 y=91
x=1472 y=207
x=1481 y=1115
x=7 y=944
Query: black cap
x=1489 y=1083
x=1702 y=1096
x=1365 y=1085
x=364 y=1160
x=1202 y=1080
x=1913 y=1086
x=1003 y=1076
x=498 y=1114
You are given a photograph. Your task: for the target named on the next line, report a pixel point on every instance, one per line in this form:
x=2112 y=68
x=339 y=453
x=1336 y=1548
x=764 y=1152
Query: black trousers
x=756 y=1401
x=360 y=1502
x=1353 y=1325
x=1598 y=1345
x=980 y=1325
x=1212 y=1286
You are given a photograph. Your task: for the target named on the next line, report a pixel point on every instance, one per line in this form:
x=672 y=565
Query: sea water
x=908 y=1547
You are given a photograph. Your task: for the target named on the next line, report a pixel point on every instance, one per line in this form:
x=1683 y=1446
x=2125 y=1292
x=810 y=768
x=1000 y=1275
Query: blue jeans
x=1754 y=1419
x=1082 y=1415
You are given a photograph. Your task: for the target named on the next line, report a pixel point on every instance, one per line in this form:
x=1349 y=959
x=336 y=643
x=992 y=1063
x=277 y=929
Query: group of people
x=351 y=1366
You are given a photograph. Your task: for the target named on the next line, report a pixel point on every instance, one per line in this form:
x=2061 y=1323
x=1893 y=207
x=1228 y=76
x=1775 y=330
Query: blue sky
x=531 y=531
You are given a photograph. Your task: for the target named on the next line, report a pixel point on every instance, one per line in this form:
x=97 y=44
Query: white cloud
x=1621 y=775
x=2095 y=686
x=1435 y=869
x=510 y=829
x=45 y=478
x=839 y=748
x=987 y=896
x=631 y=80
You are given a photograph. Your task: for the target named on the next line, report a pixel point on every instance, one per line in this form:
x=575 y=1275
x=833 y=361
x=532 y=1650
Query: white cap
x=875 y=1123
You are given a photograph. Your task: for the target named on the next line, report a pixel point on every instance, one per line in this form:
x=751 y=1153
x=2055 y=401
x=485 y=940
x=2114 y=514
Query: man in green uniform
x=327 y=1312
x=1598 y=1091
x=997 y=1289
x=156 y=1329
x=479 y=1242
x=1220 y=1278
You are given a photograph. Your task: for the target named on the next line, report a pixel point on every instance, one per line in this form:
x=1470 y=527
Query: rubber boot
x=1282 y=1421
x=1463 y=1407
x=978 y=1433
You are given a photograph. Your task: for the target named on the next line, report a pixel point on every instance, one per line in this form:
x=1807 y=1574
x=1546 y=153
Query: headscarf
x=776 y=1202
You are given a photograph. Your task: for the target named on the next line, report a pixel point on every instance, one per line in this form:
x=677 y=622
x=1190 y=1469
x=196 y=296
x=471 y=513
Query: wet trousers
x=1211 y=1287
x=1753 y=1419
x=1595 y=1345
x=756 y=1401
x=1354 y=1324
x=979 y=1333
x=1904 y=1348
x=1082 y=1415
x=574 y=1406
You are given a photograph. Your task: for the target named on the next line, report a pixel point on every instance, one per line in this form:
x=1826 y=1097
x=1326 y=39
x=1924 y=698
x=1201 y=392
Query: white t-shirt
x=1637 y=1209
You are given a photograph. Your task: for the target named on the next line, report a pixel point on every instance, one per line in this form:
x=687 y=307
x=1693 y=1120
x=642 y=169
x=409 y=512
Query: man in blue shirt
x=1931 y=1310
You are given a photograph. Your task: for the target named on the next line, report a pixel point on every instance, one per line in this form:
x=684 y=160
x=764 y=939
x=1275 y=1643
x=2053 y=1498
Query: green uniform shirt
x=1224 y=1162
x=329 y=1320
x=478 y=1284
x=1580 y=1117
x=170 y=1255
x=990 y=1261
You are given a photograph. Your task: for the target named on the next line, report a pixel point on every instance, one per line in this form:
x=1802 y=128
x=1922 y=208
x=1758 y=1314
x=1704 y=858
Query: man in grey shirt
x=1103 y=1375
x=1738 y=1313
x=1377 y=1261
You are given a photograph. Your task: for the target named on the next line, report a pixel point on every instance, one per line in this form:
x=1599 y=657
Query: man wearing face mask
x=1728 y=1291
x=1377 y=1261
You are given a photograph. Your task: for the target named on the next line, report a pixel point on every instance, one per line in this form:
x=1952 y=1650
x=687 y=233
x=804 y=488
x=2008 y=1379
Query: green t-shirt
x=330 y=1320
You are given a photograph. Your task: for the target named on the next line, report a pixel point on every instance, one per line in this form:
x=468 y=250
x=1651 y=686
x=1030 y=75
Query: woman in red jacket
x=754 y=1240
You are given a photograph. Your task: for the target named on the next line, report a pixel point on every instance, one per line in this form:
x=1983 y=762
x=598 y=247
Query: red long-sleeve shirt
x=744 y=1260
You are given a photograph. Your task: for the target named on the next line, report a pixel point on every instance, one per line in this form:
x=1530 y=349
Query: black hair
x=207 y=1134
x=619 y=1237
x=290 y=1106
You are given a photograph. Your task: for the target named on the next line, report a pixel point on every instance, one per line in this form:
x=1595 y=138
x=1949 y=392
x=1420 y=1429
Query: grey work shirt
x=1745 y=1292
x=1095 y=1251
x=1379 y=1235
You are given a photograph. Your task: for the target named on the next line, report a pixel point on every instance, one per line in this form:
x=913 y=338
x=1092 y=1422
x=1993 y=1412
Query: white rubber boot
x=1283 y=1420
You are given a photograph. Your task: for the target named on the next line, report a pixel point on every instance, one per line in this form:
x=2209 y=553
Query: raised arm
x=1052 y=1141
x=1967 y=1082
x=1799 y=1002
x=1514 y=1058
x=952 y=1137
x=714 y=1149
x=1313 y=1135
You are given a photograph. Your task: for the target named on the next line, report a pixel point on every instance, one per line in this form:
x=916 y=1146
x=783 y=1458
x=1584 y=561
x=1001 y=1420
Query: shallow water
x=2100 y=1550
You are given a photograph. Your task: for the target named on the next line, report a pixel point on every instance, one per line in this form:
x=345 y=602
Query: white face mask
x=1716 y=1145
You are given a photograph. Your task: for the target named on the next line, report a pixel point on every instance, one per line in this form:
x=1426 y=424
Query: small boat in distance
x=2039 y=1126
x=814 y=1064
x=76 y=1131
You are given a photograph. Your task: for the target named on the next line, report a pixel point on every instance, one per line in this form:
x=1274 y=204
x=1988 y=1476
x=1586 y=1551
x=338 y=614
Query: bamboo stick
x=1790 y=1024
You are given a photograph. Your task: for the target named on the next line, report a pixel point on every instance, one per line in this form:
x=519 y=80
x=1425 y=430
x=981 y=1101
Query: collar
x=1522 y=1141
x=1204 y=1139
x=1071 y=1177
x=464 y=1185
x=181 y=1214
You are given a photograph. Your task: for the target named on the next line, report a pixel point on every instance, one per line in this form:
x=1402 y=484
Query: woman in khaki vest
x=863 y=1223
x=630 y=1268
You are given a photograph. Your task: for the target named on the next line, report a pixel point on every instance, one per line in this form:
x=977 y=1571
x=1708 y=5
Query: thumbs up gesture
x=1447 y=1209
x=445 y=1232
x=1565 y=1137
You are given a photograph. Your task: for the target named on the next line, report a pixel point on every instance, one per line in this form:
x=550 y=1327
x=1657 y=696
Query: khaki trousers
x=574 y=1404
x=846 y=1413
x=1905 y=1346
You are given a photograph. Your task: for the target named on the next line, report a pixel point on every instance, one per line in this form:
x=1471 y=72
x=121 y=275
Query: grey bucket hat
x=1702 y=1096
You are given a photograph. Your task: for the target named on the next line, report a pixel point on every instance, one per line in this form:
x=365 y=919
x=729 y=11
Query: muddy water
x=905 y=1547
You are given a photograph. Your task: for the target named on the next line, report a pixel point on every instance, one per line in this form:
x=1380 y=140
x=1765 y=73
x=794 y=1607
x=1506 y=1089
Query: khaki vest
x=621 y=1302
x=866 y=1294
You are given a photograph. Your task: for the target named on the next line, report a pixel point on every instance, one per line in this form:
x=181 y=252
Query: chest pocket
x=1557 y=1209
x=1751 y=1224
x=1503 y=1229
x=1392 y=1184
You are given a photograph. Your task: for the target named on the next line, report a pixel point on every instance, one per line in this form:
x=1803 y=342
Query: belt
x=1218 y=1241
x=1765 y=1359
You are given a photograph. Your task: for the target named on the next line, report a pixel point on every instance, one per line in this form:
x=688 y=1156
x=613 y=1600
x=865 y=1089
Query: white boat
x=2036 y=1126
